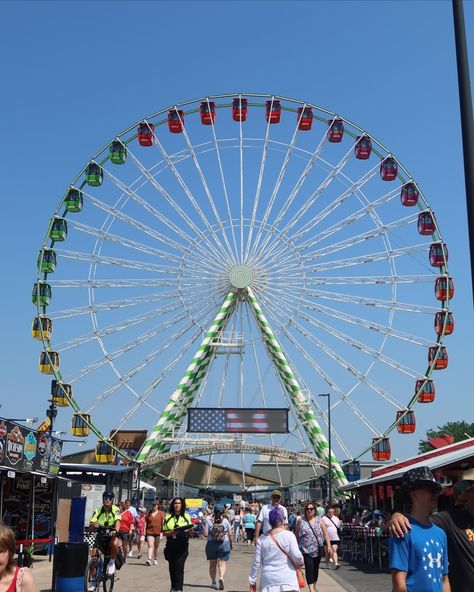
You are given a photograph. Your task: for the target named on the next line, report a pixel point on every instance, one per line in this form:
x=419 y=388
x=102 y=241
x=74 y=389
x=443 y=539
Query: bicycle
x=96 y=570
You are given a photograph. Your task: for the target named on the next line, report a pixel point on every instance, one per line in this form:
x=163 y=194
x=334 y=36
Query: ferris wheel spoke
x=320 y=371
x=192 y=199
x=299 y=184
x=121 y=240
x=117 y=214
x=359 y=238
x=210 y=199
x=112 y=304
x=361 y=322
x=275 y=251
x=156 y=213
x=158 y=379
x=324 y=185
x=372 y=302
x=125 y=348
x=276 y=187
x=371 y=280
x=224 y=184
x=122 y=325
x=256 y=200
x=368 y=258
x=116 y=261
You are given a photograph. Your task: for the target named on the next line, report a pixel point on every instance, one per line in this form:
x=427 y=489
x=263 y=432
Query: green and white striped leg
x=305 y=414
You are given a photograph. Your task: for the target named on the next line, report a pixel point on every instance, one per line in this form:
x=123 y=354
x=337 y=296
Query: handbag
x=299 y=572
x=318 y=538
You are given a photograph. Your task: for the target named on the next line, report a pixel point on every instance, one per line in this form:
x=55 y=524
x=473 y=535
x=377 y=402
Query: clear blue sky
x=76 y=73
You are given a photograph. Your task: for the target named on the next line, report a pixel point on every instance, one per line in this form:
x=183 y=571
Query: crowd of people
x=429 y=552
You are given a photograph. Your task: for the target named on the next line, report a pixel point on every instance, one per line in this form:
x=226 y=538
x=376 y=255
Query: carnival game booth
x=29 y=467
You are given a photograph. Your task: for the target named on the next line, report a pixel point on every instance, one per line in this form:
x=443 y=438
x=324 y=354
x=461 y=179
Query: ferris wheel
x=244 y=251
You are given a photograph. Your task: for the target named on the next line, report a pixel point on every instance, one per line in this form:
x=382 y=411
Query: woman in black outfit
x=176 y=530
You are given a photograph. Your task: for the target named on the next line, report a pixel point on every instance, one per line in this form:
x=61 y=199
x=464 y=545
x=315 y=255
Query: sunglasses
x=310 y=509
x=108 y=498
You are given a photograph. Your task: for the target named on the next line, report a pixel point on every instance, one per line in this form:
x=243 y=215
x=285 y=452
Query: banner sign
x=244 y=421
x=23 y=449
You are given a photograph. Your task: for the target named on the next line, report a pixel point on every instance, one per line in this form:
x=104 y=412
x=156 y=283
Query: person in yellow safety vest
x=176 y=527
x=107 y=516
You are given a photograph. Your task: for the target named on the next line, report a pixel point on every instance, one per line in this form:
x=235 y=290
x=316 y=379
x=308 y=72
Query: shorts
x=216 y=550
x=250 y=534
x=333 y=542
x=124 y=536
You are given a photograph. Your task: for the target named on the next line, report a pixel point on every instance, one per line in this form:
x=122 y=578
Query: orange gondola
x=438 y=357
x=381 y=449
x=426 y=390
x=441 y=318
x=407 y=423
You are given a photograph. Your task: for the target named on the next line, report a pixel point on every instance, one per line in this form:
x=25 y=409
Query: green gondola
x=58 y=229
x=118 y=152
x=94 y=174
x=41 y=294
x=46 y=261
x=73 y=200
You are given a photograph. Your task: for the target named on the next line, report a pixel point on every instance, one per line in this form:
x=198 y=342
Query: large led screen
x=258 y=421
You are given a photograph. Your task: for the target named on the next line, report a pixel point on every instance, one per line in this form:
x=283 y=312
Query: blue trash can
x=70 y=563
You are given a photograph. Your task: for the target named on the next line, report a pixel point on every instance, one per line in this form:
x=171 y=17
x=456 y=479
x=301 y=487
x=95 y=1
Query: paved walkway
x=136 y=576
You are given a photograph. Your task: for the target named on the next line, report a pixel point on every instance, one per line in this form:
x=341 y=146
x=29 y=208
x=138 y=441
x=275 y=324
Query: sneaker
x=148 y=562
x=336 y=566
x=130 y=554
x=139 y=556
x=221 y=583
x=92 y=587
x=214 y=586
x=156 y=563
x=111 y=567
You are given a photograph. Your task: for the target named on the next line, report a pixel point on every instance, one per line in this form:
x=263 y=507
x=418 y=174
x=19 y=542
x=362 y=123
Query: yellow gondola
x=49 y=362
x=41 y=328
x=80 y=424
x=104 y=452
x=60 y=392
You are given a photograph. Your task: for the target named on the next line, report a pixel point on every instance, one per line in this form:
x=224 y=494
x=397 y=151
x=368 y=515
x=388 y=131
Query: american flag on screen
x=262 y=421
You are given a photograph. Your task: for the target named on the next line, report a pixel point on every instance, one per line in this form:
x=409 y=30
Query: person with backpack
x=219 y=545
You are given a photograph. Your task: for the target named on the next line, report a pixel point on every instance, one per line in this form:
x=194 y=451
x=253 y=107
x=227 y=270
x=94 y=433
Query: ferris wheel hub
x=241 y=276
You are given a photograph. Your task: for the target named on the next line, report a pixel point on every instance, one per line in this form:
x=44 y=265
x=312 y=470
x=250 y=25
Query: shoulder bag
x=299 y=572
x=338 y=528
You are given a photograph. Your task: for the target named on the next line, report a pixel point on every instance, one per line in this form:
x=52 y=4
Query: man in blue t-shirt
x=419 y=561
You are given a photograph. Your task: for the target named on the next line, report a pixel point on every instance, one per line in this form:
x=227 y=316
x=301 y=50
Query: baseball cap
x=276 y=493
x=218 y=508
x=465 y=483
x=419 y=478
x=108 y=495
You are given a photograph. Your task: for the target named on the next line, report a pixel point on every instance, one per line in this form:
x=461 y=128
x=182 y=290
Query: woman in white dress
x=277 y=555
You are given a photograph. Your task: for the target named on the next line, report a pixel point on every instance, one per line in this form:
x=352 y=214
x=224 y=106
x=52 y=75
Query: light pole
x=328 y=395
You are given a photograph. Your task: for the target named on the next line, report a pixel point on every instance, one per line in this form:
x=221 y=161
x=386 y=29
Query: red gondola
x=438 y=254
x=388 y=169
x=442 y=357
x=305 y=118
x=440 y=318
x=426 y=223
x=336 y=130
x=426 y=391
x=208 y=112
x=175 y=121
x=381 y=449
x=441 y=288
x=407 y=424
x=363 y=147
x=273 y=111
x=239 y=109
x=409 y=194
x=145 y=134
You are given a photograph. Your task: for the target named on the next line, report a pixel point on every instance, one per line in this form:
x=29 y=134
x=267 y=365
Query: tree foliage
x=458 y=429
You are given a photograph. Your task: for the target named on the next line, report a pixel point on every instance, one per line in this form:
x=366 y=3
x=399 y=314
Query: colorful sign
x=24 y=449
